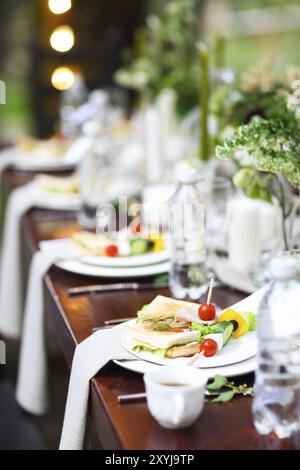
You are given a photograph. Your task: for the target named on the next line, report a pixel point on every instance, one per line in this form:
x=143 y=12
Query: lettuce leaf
x=161 y=326
x=200 y=327
x=205 y=330
x=159 y=353
x=250 y=318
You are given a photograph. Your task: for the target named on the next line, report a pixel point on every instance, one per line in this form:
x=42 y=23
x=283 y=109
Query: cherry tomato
x=177 y=329
x=207 y=312
x=111 y=250
x=208 y=347
x=137 y=228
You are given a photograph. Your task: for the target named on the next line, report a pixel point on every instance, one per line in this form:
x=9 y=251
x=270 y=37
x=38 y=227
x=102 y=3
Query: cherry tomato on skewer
x=208 y=347
x=137 y=228
x=207 y=312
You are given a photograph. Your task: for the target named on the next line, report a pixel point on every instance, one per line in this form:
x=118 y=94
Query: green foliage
x=224 y=397
x=253 y=183
x=169 y=59
x=272 y=146
x=218 y=382
x=257 y=93
x=161 y=278
x=227 y=389
x=238 y=107
x=263 y=118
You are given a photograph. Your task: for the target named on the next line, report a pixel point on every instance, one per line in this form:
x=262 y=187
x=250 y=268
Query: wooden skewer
x=209 y=294
x=211 y=286
x=195 y=357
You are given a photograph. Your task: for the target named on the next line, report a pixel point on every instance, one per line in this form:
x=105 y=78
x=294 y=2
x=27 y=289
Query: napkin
x=6 y=159
x=20 y=201
x=90 y=356
x=232 y=277
x=32 y=387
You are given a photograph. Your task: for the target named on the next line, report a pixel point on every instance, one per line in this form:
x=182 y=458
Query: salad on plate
x=128 y=242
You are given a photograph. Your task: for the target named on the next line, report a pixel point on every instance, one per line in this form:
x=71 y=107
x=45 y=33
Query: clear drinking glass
x=95 y=179
x=216 y=194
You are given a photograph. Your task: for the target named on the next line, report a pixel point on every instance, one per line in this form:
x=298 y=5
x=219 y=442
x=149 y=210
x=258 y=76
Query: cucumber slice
x=227 y=333
x=221 y=337
x=221 y=327
x=205 y=330
x=138 y=246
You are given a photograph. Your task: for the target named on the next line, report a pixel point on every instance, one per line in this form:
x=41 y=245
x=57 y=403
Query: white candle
x=244 y=244
x=269 y=224
x=168 y=125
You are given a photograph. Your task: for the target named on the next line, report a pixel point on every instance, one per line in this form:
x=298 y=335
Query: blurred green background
x=275 y=32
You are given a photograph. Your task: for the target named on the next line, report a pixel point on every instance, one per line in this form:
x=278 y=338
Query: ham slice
x=183 y=351
x=190 y=315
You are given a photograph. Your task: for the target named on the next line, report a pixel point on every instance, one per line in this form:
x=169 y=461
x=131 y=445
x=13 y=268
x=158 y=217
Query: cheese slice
x=190 y=314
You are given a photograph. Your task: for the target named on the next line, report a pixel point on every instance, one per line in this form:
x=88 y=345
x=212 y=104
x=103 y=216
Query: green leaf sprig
x=220 y=383
x=271 y=146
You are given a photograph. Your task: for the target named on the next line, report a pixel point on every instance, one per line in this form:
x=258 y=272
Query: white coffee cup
x=175 y=395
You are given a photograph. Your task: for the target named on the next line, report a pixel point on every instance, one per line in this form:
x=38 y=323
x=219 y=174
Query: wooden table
x=130 y=426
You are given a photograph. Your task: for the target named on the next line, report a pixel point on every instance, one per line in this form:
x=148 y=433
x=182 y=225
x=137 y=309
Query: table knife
x=89 y=290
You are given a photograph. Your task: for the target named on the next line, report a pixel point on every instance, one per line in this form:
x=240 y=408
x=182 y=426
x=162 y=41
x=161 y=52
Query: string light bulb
x=58 y=7
x=62 y=39
x=62 y=78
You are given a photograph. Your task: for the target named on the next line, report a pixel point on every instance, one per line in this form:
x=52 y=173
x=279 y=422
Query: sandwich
x=171 y=344
x=107 y=245
x=174 y=344
x=88 y=243
x=61 y=184
x=164 y=313
x=172 y=328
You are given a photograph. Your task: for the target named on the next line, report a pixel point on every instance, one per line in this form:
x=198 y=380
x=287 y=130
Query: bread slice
x=164 y=307
x=160 y=339
x=90 y=243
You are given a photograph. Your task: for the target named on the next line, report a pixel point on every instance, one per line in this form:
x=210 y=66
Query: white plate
x=250 y=303
x=77 y=267
x=240 y=368
x=53 y=200
x=24 y=162
x=127 y=261
x=236 y=350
